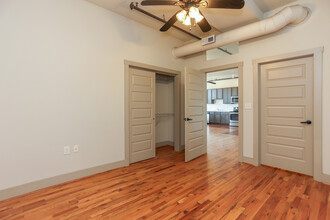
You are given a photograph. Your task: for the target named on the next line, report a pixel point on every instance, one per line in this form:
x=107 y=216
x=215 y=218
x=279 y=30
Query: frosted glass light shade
x=187 y=21
x=193 y=12
x=181 y=15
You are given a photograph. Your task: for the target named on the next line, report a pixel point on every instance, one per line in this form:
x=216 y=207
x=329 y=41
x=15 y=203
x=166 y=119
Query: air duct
x=289 y=15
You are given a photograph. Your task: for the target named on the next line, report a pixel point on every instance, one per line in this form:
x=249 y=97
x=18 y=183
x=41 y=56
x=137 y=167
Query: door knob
x=306 y=122
x=188 y=119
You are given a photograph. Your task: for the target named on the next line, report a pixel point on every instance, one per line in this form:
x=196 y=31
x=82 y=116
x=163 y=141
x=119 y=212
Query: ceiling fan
x=189 y=14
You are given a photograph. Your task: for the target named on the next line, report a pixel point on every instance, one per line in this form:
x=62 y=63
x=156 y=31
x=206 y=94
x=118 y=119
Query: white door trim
x=239 y=66
x=317 y=55
x=177 y=100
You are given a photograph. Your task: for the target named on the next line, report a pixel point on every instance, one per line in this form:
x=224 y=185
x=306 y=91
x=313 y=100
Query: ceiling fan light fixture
x=190 y=14
x=193 y=12
x=199 y=17
x=181 y=16
x=187 y=21
x=187 y=17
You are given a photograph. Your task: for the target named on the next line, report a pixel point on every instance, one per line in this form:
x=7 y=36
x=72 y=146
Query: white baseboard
x=326 y=178
x=40 y=184
x=30 y=187
x=249 y=161
x=182 y=147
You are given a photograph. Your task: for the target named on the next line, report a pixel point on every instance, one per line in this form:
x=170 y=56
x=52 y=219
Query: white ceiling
x=221 y=19
x=269 y=5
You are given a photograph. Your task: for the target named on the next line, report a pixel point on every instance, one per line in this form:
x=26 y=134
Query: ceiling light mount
x=190 y=15
x=135 y=6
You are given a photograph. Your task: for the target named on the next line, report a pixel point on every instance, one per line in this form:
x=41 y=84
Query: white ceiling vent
x=208 y=40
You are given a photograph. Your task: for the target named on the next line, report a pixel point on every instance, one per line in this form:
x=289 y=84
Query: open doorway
x=164 y=112
x=152 y=110
x=224 y=110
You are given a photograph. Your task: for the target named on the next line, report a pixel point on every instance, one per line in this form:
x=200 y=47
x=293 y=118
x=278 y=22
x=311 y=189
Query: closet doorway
x=164 y=110
x=152 y=110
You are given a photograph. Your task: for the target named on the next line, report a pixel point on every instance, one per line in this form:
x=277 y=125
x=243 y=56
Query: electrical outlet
x=76 y=148
x=66 y=150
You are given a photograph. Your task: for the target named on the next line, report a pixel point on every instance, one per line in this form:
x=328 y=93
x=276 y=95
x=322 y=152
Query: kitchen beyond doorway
x=224 y=98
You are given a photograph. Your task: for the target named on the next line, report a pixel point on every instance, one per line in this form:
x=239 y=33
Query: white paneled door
x=195 y=114
x=287 y=115
x=142 y=114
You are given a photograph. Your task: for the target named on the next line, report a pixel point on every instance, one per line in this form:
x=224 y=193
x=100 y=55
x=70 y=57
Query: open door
x=142 y=114
x=195 y=114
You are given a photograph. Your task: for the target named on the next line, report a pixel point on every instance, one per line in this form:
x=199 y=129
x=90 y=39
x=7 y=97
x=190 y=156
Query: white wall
x=313 y=33
x=165 y=104
x=217 y=53
x=62 y=83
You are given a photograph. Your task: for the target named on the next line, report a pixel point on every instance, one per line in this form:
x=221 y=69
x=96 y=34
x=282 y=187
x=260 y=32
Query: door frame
x=317 y=55
x=177 y=100
x=239 y=66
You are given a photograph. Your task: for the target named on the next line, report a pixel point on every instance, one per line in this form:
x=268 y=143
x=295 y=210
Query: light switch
x=66 y=150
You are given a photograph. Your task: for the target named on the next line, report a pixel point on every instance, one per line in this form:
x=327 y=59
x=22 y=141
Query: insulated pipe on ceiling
x=289 y=15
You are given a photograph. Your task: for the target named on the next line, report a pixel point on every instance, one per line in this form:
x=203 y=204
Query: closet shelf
x=164 y=114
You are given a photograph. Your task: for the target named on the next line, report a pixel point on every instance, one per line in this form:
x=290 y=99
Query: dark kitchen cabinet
x=209 y=96
x=225 y=92
x=211 y=119
x=234 y=91
x=224 y=118
x=217 y=117
x=219 y=94
x=227 y=96
x=214 y=94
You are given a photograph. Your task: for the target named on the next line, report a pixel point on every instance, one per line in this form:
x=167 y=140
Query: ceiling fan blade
x=228 y=4
x=158 y=2
x=169 y=23
x=204 y=25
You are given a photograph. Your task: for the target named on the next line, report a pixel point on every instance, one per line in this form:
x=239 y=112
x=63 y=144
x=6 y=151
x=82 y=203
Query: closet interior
x=164 y=110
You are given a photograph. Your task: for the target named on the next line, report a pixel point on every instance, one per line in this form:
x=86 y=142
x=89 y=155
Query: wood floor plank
x=214 y=186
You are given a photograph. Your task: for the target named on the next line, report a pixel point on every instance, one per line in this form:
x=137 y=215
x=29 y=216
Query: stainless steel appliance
x=233 y=117
x=234 y=99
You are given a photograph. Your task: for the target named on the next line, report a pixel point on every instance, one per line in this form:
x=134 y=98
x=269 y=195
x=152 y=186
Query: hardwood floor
x=214 y=186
